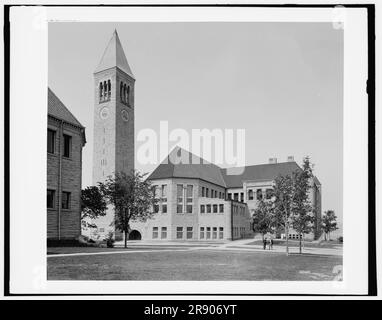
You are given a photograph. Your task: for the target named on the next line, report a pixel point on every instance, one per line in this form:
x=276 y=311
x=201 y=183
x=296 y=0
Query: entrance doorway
x=135 y=235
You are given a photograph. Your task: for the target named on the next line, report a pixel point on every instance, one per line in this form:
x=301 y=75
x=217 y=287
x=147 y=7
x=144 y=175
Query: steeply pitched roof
x=114 y=56
x=192 y=166
x=183 y=164
x=58 y=110
x=261 y=172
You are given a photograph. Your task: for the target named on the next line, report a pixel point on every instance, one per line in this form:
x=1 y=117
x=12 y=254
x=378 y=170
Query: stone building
x=198 y=200
x=66 y=138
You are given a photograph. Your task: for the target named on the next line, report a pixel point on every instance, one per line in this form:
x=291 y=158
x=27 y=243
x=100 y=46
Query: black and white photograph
x=191 y=150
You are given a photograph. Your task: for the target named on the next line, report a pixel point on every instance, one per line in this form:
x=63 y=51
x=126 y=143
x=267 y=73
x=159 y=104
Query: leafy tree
x=329 y=222
x=283 y=196
x=263 y=218
x=132 y=198
x=302 y=211
x=93 y=205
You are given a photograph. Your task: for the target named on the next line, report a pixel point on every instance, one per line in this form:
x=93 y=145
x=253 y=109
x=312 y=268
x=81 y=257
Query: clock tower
x=113 y=147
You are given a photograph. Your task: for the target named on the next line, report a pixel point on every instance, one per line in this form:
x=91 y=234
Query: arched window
x=100 y=91
x=104 y=90
x=124 y=92
x=108 y=89
x=128 y=94
x=120 y=91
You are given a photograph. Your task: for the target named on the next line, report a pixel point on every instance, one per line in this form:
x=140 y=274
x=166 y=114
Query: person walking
x=271 y=244
x=265 y=243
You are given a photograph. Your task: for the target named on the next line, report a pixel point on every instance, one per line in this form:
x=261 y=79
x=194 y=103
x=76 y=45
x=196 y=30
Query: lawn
x=193 y=265
x=296 y=243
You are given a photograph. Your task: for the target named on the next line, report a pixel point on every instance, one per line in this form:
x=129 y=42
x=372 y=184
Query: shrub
x=341 y=239
x=110 y=240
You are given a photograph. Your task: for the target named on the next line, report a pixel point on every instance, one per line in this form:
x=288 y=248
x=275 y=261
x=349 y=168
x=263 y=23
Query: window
x=121 y=91
x=66 y=200
x=236 y=196
x=156 y=208
x=268 y=193
x=164 y=233
x=208 y=234
x=179 y=232
x=207 y=193
x=250 y=194
x=128 y=95
x=155 y=232
x=215 y=207
x=190 y=189
x=201 y=232
x=216 y=194
x=164 y=193
x=202 y=208
x=189 y=233
x=179 y=195
x=50 y=199
x=67 y=146
x=242 y=196
x=208 y=208
x=259 y=194
x=164 y=208
x=214 y=233
x=108 y=89
x=229 y=196
x=51 y=140
x=202 y=191
x=221 y=208
x=221 y=233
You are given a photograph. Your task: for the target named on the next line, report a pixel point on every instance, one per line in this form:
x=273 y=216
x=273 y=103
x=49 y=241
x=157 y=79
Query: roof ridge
x=66 y=109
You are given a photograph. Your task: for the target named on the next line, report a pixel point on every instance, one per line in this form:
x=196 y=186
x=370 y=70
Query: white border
x=28 y=173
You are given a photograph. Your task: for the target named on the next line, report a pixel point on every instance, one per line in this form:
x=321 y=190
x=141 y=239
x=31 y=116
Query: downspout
x=231 y=220
x=59 y=180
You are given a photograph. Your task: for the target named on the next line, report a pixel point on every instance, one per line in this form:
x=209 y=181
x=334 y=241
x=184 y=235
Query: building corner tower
x=113 y=146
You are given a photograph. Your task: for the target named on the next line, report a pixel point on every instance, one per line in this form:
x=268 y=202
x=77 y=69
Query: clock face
x=125 y=115
x=104 y=113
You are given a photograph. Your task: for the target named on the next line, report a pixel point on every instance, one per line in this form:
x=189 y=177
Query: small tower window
x=128 y=95
x=108 y=89
x=124 y=92
x=104 y=90
x=100 y=91
x=120 y=91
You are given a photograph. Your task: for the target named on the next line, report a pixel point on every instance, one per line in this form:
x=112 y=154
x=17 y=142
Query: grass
x=296 y=243
x=193 y=265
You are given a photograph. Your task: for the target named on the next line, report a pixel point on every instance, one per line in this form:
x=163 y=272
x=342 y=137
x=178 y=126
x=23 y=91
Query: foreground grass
x=193 y=265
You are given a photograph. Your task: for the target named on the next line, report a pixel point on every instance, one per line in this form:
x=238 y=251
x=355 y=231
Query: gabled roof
x=58 y=110
x=114 y=56
x=183 y=164
x=261 y=172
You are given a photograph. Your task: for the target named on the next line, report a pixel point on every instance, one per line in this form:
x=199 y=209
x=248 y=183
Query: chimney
x=290 y=159
x=272 y=160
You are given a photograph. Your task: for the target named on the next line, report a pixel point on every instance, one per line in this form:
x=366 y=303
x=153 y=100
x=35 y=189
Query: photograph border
x=372 y=267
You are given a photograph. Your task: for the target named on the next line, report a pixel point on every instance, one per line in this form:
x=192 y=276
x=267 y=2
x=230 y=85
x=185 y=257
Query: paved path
x=238 y=245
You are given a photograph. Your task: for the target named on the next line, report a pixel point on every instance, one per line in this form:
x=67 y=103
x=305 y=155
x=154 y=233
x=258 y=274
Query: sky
x=281 y=82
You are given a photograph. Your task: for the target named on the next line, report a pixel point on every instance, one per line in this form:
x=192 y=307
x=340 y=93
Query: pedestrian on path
x=271 y=244
x=265 y=243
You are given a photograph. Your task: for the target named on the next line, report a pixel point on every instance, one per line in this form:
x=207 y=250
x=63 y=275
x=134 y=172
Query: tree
x=263 y=218
x=283 y=193
x=329 y=222
x=132 y=198
x=93 y=205
x=302 y=212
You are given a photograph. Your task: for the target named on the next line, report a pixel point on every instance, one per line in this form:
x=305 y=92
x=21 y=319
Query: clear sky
x=281 y=82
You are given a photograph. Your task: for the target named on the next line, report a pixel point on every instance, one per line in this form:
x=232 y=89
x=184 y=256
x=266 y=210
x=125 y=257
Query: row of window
x=238 y=232
x=124 y=93
x=294 y=236
x=67 y=145
x=104 y=91
x=213 y=194
x=205 y=233
x=51 y=199
x=238 y=210
x=163 y=234
x=251 y=193
x=211 y=208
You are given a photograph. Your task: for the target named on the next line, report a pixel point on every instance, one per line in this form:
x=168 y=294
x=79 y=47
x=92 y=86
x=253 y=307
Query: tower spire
x=114 y=56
